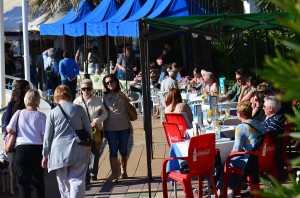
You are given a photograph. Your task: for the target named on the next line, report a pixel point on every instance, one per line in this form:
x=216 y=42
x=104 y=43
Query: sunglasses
x=86 y=88
x=109 y=82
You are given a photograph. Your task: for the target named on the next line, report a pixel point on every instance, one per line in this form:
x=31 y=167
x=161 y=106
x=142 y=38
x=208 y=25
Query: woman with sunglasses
x=117 y=126
x=97 y=113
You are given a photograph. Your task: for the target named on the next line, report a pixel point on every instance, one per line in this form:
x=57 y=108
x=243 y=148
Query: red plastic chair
x=266 y=164
x=201 y=159
x=172 y=132
x=179 y=119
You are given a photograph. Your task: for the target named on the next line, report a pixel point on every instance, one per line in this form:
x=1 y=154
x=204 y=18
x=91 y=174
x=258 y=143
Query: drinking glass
x=209 y=121
x=227 y=112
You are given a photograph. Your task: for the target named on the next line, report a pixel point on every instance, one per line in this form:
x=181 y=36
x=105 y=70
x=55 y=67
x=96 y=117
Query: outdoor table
x=226 y=132
x=180 y=149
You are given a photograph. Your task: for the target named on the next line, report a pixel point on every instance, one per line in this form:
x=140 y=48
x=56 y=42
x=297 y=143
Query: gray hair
x=210 y=75
x=274 y=102
x=173 y=73
x=32 y=98
x=87 y=82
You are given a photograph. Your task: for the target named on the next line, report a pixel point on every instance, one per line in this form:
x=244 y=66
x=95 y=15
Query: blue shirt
x=68 y=68
x=245 y=135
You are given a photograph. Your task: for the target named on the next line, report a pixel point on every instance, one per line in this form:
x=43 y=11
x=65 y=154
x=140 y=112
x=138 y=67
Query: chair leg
x=200 y=187
x=225 y=184
x=175 y=189
x=255 y=187
x=164 y=187
x=212 y=180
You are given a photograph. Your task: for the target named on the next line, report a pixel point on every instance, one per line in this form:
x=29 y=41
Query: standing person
x=233 y=94
x=17 y=100
x=97 y=113
x=127 y=65
x=51 y=69
x=80 y=57
x=60 y=150
x=116 y=134
x=30 y=127
x=94 y=60
x=163 y=69
x=69 y=70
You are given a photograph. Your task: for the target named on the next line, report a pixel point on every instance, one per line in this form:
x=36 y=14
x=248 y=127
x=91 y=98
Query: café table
x=180 y=149
x=226 y=132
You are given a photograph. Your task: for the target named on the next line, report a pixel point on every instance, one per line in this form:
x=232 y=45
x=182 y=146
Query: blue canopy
x=57 y=28
x=157 y=8
x=105 y=10
x=129 y=8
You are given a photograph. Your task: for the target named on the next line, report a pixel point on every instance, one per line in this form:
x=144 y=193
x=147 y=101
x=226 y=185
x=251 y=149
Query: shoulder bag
x=131 y=111
x=10 y=142
x=97 y=134
x=82 y=137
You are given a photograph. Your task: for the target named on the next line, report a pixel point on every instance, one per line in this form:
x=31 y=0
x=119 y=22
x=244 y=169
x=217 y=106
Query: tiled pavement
x=137 y=184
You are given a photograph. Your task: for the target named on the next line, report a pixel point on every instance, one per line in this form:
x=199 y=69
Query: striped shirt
x=275 y=123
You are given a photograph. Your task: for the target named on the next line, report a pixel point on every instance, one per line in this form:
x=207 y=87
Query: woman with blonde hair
x=175 y=105
x=60 y=150
x=29 y=124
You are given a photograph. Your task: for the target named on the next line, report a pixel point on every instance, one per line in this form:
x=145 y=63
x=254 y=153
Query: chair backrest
x=179 y=119
x=97 y=81
x=267 y=154
x=201 y=156
x=172 y=132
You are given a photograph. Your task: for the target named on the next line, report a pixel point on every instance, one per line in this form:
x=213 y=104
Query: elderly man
x=274 y=124
x=234 y=93
x=169 y=82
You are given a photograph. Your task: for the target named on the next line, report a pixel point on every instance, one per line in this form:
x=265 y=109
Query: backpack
x=50 y=70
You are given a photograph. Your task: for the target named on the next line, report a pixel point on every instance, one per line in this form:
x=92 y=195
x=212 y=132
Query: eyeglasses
x=109 y=82
x=86 y=88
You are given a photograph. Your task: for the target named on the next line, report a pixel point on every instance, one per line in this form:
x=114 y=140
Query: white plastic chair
x=155 y=100
x=139 y=101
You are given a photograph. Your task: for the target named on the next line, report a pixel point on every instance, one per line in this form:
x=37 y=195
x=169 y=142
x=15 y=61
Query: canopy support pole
x=25 y=40
x=2 y=61
x=254 y=48
x=146 y=101
x=41 y=70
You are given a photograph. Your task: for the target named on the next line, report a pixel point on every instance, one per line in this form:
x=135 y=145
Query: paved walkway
x=137 y=184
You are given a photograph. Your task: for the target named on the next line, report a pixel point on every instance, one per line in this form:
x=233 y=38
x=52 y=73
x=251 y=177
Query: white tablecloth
x=180 y=149
x=226 y=132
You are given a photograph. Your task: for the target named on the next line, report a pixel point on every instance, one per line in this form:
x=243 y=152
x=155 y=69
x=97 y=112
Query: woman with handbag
x=97 y=113
x=117 y=126
x=28 y=125
x=62 y=151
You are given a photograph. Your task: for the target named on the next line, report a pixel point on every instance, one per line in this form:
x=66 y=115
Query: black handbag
x=82 y=137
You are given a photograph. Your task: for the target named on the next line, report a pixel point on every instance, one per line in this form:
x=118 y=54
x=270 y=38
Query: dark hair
x=18 y=94
x=253 y=81
x=173 y=97
x=114 y=78
x=66 y=54
x=197 y=70
x=242 y=72
x=260 y=97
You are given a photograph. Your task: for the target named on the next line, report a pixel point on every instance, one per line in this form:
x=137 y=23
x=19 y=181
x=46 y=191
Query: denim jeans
x=93 y=167
x=117 y=141
x=234 y=179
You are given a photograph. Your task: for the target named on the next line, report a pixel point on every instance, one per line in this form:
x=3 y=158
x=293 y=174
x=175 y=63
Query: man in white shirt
x=51 y=69
x=169 y=82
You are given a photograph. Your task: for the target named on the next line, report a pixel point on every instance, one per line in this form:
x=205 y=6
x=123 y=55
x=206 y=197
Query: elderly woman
x=97 y=113
x=211 y=85
x=60 y=150
x=29 y=124
x=175 y=105
x=245 y=137
x=117 y=126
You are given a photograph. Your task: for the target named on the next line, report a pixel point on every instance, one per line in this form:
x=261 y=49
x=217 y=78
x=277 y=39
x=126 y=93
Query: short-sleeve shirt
x=31 y=127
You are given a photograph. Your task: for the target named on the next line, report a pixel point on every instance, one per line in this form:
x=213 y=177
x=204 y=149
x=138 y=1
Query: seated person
x=250 y=85
x=245 y=136
x=211 y=85
x=197 y=81
x=258 y=112
x=169 y=82
x=136 y=84
x=235 y=91
x=175 y=105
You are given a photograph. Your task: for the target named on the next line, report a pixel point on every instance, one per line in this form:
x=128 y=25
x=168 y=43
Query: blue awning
x=154 y=9
x=105 y=10
x=57 y=28
x=128 y=9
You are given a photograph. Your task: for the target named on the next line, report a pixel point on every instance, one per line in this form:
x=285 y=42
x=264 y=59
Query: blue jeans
x=234 y=179
x=117 y=141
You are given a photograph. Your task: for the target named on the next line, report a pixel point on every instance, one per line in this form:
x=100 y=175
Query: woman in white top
x=175 y=105
x=30 y=127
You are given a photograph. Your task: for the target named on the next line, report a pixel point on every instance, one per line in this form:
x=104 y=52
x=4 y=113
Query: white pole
x=2 y=59
x=25 y=39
